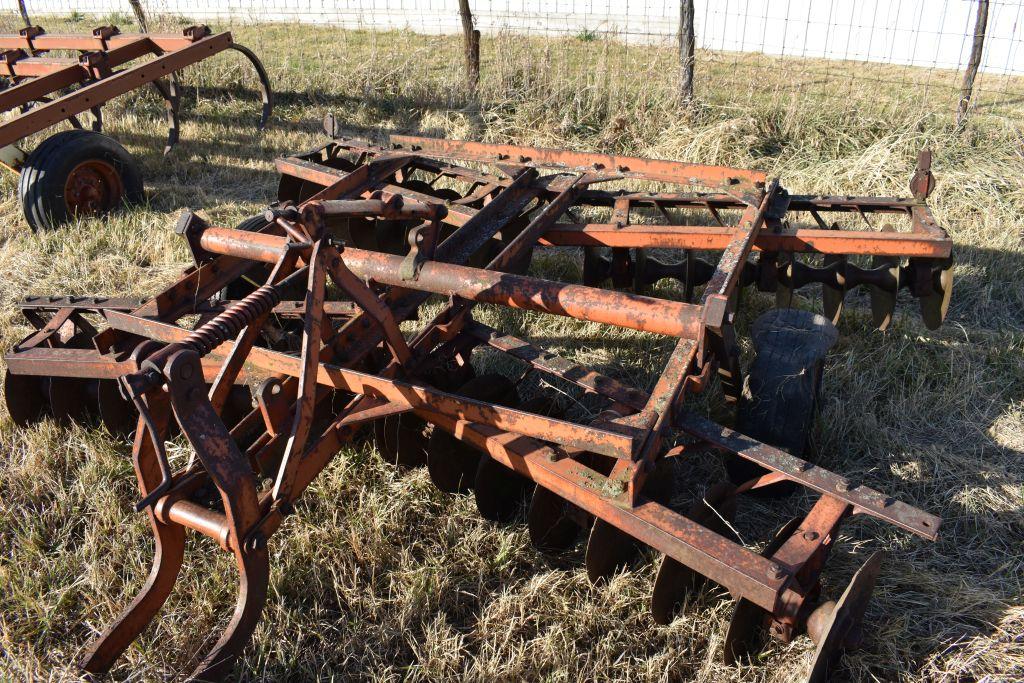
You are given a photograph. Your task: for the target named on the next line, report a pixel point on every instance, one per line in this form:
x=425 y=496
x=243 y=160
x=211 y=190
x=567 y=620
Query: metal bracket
x=422 y=240
x=923 y=182
x=191 y=226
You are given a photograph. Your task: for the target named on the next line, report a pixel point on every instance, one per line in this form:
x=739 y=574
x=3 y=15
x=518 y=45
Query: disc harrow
x=268 y=386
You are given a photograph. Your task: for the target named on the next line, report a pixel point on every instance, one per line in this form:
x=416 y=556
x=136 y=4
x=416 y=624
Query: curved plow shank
x=327 y=360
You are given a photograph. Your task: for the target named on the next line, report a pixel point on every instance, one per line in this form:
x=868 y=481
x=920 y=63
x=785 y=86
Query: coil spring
x=228 y=324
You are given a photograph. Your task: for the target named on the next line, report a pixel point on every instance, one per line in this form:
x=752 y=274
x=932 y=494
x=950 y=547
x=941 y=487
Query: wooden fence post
x=24 y=13
x=471 y=46
x=686 y=51
x=967 y=90
x=140 y=16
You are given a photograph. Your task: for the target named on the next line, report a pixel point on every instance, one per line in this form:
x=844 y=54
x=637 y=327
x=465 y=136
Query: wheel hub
x=93 y=187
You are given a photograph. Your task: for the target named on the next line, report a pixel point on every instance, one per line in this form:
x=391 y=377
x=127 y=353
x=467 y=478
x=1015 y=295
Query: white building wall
x=928 y=33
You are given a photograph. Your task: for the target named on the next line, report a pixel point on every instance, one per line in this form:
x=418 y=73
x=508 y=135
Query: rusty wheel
x=77 y=173
x=92 y=188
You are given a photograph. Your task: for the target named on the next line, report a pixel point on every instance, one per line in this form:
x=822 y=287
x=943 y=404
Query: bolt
x=810 y=535
x=776 y=572
x=842 y=486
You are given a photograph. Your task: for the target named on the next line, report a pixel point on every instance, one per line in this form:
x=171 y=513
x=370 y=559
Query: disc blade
x=117 y=413
x=847 y=615
x=402 y=440
x=551 y=529
x=935 y=306
x=832 y=297
x=675 y=581
x=451 y=463
x=26 y=397
x=883 y=300
x=783 y=288
x=744 y=637
x=608 y=550
x=501 y=495
x=69 y=399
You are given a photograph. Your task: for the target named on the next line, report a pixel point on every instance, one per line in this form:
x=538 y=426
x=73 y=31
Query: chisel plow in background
x=48 y=89
x=302 y=307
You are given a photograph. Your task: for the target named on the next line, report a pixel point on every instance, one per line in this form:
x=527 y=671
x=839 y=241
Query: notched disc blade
x=608 y=550
x=935 y=306
x=784 y=290
x=832 y=297
x=27 y=397
x=551 y=529
x=117 y=413
x=501 y=494
x=847 y=615
x=883 y=300
x=402 y=440
x=69 y=399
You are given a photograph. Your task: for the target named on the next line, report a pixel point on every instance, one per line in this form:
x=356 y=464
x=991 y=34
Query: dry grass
x=382 y=577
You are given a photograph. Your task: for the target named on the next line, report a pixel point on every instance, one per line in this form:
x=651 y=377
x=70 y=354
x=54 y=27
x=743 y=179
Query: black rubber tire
x=780 y=395
x=258 y=274
x=41 y=186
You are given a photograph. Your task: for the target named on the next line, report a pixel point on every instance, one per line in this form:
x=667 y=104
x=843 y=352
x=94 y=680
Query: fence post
x=686 y=48
x=967 y=91
x=140 y=16
x=471 y=46
x=24 y=13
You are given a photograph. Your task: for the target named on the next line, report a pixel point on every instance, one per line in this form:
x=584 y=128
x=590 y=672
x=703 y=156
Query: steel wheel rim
x=93 y=187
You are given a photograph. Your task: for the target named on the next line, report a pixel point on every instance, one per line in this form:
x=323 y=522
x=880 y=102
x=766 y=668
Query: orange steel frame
x=354 y=350
x=32 y=79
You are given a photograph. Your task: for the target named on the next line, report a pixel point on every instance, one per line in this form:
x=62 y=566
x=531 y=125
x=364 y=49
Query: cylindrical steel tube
x=400 y=209
x=632 y=311
x=254 y=246
x=198 y=518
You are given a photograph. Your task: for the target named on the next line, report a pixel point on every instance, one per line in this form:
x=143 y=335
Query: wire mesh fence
x=597 y=56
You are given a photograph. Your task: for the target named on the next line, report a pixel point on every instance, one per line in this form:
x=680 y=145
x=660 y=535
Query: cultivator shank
x=363 y=236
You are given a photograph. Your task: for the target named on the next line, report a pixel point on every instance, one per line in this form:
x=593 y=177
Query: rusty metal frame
x=353 y=349
x=32 y=78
